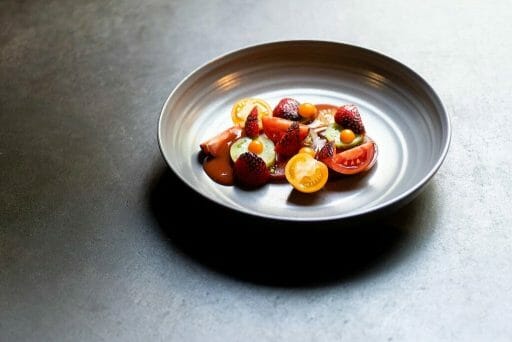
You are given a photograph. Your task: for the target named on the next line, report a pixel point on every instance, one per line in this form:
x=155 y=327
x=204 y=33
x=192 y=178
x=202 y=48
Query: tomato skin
x=347 y=136
x=355 y=160
x=308 y=111
x=308 y=150
x=374 y=159
x=305 y=173
x=214 y=145
x=275 y=128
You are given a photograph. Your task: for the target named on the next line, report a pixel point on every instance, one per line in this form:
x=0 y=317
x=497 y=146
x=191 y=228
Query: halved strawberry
x=275 y=128
x=348 y=117
x=252 y=128
x=291 y=142
x=287 y=108
x=327 y=151
x=251 y=171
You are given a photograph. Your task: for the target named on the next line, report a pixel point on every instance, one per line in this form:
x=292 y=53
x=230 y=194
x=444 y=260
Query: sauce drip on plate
x=219 y=168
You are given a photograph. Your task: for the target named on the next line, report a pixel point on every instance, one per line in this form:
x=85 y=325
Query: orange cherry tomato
x=308 y=150
x=243 y=107
x=308 y=110
x=255 y=146
x=305 y=173
x=347 y=136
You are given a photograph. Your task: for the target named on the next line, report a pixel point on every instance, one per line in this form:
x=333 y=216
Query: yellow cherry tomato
x=255 y=146
x=243 y=107
x=347 y=136
x=308 y=150
x=308 y=110
x=305 y=173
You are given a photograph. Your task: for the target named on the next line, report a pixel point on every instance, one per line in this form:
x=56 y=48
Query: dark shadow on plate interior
x=275 y=253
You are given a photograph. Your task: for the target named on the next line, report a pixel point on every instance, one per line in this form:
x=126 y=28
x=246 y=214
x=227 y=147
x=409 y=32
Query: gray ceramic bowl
x=401 y=112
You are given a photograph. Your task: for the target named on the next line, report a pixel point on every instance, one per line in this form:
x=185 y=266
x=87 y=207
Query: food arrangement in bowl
x=303 y=143
x=398 y=109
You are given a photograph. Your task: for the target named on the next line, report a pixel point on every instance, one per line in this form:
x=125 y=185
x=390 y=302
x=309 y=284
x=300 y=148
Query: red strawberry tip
x=252 y=127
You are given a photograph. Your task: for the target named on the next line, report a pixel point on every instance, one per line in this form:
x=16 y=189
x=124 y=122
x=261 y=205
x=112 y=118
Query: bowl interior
x=400 y=110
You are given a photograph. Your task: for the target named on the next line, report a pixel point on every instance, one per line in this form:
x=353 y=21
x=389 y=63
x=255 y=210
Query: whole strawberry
x=287 y=108
x=348 y=117
x=252 y=128
x=251 y=171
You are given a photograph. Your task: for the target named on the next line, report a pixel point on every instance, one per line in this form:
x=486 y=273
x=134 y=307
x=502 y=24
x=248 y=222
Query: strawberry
x=252 y=128
x=348 y=117
x=291 y=142
x=275 y=128
x=251 y=171
x=287 y=108
x=327 y=151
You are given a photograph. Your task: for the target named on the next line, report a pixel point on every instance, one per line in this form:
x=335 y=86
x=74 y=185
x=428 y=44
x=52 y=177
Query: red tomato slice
x=354 y=160
x=275 y=128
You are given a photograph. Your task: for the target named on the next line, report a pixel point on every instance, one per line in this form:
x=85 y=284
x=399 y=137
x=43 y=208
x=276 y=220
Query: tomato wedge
x=355 y=160
x=214 y=145
x=275 y=128
x=305 y=173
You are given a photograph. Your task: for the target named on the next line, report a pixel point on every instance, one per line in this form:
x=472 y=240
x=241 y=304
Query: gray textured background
x=90 y=249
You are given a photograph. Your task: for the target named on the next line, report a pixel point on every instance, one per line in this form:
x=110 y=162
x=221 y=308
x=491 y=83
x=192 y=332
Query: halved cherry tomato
x=243 y=107
x=305 y=173
x=308 y=150
x=275 y=128
x=354 y=160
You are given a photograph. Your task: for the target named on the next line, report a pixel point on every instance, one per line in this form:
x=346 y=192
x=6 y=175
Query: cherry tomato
x=354 y=160
x=305 y=173
x=243 y=107
x=347 y=136
x=308 y=150
x=308 y=110
x=255 y=146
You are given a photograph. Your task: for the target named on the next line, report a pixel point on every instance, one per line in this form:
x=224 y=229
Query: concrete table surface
x=89 y=246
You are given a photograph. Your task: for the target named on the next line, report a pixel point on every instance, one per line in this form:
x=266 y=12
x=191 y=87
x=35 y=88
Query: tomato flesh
x=305 y=173
x=275 y=128
x=354 y=160
x=243 y=107
x=214 y=145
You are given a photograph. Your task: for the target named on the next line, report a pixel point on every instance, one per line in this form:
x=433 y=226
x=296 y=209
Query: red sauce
x=219 y=168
